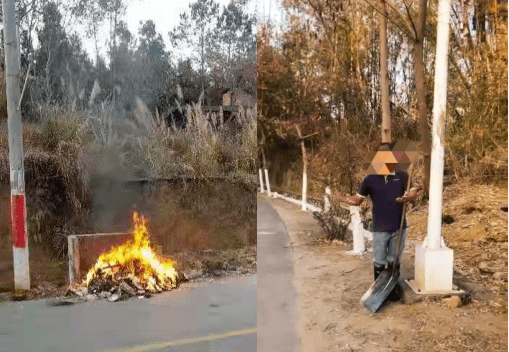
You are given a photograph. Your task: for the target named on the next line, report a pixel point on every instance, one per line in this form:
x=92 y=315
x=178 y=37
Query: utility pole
x=386 y=108
x=438 y=132
x=433 y=260
x=17 y=171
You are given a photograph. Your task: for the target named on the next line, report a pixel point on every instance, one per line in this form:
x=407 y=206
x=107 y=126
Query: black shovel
x=388 y=279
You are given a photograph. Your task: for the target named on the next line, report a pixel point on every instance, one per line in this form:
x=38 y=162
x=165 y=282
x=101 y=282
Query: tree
x=151 y=42
x=91 y=14
x=195 y=30
x=51 y=56
x=153 y=64
x=420 y=88
x=234 y=42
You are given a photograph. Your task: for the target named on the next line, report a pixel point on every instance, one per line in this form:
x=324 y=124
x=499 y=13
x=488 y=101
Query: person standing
x=387 y=191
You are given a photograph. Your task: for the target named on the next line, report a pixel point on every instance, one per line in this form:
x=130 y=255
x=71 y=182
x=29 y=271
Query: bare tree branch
x=408 y=28
x=390 y=20
x=409 y=16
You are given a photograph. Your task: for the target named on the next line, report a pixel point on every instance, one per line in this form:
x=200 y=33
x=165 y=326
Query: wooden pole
x=17 y=172
x=386 y=112
x=420 y=87
x=74 y=258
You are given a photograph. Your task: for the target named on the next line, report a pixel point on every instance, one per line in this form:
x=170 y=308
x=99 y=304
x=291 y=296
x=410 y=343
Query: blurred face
x=383 y=163
x=386 y=161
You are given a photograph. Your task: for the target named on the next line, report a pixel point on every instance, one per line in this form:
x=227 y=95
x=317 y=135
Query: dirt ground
x=330 y=283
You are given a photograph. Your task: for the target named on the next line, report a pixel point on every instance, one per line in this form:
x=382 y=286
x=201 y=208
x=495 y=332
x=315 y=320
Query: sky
x=271 y=11
x=164 y=13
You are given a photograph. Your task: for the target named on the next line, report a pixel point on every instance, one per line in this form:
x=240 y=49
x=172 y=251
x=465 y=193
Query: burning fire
x=135 y=263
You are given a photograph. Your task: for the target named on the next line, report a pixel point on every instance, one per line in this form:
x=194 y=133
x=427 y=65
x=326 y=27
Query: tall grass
x=67 y=146
x=207 y=147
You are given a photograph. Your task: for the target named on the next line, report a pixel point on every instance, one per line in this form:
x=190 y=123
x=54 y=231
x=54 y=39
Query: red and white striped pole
x=17 y=171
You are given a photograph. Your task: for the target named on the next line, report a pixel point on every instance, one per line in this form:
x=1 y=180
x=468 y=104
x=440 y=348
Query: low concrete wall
x=84 y=250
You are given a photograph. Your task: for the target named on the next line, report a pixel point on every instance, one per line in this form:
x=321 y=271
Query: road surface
x=277 y=298
x=208 y=316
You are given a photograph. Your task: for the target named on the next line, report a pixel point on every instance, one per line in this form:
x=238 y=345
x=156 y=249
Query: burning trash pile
x=131 y=269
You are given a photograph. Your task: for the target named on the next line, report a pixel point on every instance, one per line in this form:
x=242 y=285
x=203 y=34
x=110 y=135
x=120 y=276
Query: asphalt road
x=208 y=316
x=277 y=298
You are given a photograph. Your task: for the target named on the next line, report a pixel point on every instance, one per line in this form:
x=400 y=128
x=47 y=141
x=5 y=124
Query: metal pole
x=438 y=132
x=17 y=174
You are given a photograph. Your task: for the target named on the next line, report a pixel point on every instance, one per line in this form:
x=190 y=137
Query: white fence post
x=267 y=182
x=260 y=173
x=304 y=190
x=357 y=231
x=326 y=199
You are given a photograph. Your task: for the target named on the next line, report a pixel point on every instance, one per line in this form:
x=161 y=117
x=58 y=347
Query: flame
x=136 y=261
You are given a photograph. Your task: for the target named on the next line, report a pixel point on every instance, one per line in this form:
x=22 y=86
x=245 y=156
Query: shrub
x=334 y=222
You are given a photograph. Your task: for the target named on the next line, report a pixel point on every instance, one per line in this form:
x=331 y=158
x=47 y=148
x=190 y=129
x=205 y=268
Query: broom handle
x=403 y=216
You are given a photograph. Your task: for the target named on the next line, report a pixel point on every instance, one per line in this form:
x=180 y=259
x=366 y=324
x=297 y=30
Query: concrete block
x=433 y=268
x=411 y=294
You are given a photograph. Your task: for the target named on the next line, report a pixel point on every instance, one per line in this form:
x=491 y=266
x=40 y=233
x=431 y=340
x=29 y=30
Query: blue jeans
x=384 y=247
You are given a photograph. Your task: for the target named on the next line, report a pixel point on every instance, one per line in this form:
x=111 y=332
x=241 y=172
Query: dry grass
x=478 y=233
x=206 y=148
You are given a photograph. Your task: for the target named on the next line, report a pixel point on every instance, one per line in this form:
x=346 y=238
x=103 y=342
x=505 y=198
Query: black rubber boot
x=378 y=270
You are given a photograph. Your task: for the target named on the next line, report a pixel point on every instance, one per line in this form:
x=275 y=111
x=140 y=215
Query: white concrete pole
x=260 y=173
x=433 y=260
x=326 y=199
x=357 y=231
x=304 y=189
x=17 y=173
x=267 y=183
x=438 y=132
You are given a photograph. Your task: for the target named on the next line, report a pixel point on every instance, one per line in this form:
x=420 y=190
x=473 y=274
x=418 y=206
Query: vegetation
x=334 y=222
x=142 y=108
x=322 y=72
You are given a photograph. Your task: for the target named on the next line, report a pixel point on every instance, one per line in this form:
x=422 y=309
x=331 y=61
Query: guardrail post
x=260 y=173
x=326 y=199
x=267 y=182
x=357 y=231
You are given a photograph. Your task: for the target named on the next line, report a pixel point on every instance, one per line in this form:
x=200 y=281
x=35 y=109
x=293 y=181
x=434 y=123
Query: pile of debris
x=114 y=291
x=131 y=269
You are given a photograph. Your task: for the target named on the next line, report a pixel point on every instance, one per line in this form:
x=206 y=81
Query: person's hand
x=354 y=200
x=405 y=197
x=409 y=196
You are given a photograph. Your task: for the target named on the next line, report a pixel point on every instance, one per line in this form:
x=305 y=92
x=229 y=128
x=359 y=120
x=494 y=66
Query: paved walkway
x=277 y=299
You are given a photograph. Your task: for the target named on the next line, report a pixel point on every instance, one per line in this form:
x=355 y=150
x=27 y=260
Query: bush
x=334 y=222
